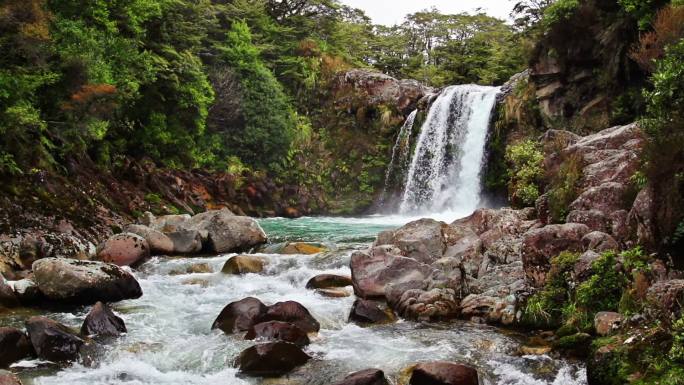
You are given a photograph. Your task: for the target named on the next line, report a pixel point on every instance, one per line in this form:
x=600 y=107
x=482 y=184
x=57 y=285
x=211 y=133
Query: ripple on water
x=170 y=341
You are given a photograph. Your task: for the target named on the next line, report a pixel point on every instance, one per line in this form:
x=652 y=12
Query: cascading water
x=444 y=175
x=399 y=160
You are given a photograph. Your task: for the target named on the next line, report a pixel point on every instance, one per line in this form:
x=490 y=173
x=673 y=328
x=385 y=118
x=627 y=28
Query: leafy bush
x=564 y=187
x=525 y=172
x=559 y=11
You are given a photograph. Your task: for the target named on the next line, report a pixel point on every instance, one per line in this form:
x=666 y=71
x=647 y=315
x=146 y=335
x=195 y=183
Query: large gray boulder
x=84 y=282
x=226 y=232
x=373 y=271
x=424 y=240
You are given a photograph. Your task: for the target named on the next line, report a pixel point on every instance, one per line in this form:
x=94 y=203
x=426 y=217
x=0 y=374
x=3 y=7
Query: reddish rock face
x=443 y=373
x=278 y=331
x=372 y=273
x=666 y=299
x=271 y=359
x=365 y=377
x=542 y=244
x=124 y=249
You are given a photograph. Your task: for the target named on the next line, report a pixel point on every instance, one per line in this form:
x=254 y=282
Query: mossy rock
x=577 y=344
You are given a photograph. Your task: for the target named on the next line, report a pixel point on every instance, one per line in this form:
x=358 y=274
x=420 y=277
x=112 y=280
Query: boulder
x=542 y=244
x=84 y=282
x=642 y=218
x=372 y=272
x=333 y=292
x=665 y=299
x=443 y=373
x=125 y=249
x=160 y=243
x=599 y=242
x=225 y=232
x=292 y=312
x=14 y=346
x=53 y=341
x=424 y=240
x=434 y=304
x=606 y=198
x=165 y=223
x=606 y=322
x=278 y=331
x=101 y=321
x=8 y=378
x=27 y=291
x=186 y=241
x=293 y=248
x=324 y=281
x=365 y=311
x=240 y=316
x=365 y=377
x=243 y=264
x=7 y=296
x=271 y=359
x=582 y=268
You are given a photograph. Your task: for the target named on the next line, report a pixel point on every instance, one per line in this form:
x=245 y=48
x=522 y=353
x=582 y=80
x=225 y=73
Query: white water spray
x=399 y=160
x=444 y=175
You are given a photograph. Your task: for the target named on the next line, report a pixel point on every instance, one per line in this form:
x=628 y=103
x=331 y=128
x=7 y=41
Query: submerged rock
x=53 y=341
x=294 y=248
x=370 y=312
x=240 y=316
x=365 y=377
x=292 y=312
x=278 y=331
x=124 y=249
x=101 y=321
x=333 y=292
x=324 y=281
x=243 y=264
x=14 y=346
x=443 y=373
x=84 y=282
x=271 y=359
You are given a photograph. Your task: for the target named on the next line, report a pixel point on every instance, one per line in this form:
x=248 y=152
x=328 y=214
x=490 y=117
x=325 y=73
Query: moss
x=578 y=344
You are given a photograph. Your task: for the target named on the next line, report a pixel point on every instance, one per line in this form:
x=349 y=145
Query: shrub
x=525 y=172
x=559 y=11
x=668 y=28
x=564 y=187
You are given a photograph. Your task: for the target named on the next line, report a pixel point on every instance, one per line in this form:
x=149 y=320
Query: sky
x=390 y=12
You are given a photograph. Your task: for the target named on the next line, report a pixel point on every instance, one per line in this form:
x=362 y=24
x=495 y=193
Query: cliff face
x=581 y=73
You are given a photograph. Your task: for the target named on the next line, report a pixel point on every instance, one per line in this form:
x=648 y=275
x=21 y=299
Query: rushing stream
x=169 y=340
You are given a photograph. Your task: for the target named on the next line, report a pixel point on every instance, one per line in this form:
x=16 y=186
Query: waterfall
x=399 y=159
x=444 y=174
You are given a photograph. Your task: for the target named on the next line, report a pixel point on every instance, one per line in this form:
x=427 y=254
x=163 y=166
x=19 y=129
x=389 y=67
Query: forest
x=512 y=189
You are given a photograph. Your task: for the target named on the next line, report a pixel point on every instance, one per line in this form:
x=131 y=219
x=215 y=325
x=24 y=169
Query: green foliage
x=270 y=121
x=603 y=290
x=559 y=11
x=563 y=187
x=525 y=172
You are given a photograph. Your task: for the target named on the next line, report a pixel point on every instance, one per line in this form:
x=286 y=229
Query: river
x=169 y=340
